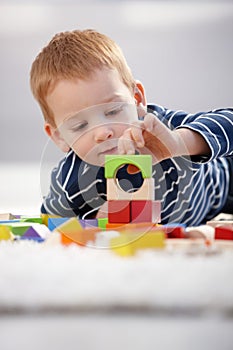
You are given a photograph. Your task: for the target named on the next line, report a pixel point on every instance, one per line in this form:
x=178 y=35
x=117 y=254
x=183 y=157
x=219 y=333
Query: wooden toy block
x=114 y=227
x=66 y=240
x=32 y=234
x=174 y=231
x=2 y=222
x=5 y=233
x=71 y=226
x=36 y=219
x=114 y=162
x=73 y=230
x=225 y=223
x=128 y=244
x=7 y=216
x=116 y=193
x=55 y=222
x=18 y=228
x=118 y=211
x=153 y=239
x=81 y=237
x=120 y=245
x=88 y=223
x=222 y=232
x=141 y=211
x=102 y=222
x=45 y=218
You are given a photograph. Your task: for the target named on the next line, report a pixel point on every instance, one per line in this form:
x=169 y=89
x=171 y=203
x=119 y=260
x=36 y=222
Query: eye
x=80 y=126
x=114 y=111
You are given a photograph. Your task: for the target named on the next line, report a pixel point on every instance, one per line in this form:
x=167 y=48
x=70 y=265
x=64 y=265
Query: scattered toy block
x=45 y=218
x=32 y=234
x=114 y=162
x=120 y=245
x=225 y=223
x=80 y=237
x=88 y=223
x=72 y=225
x=73 y=231
x=7 y=216
x=5 y=233
x=152 y=239
x=8 y=221
x=128 y=244
x=118 y=211
x=18 y=228
x=141 y=211
x=145 y=192
x=174 y=230
x=140 y=227
x=55 y=222
x=102 y=222
x=114 y=227
x=222 y=232
x=35 y=219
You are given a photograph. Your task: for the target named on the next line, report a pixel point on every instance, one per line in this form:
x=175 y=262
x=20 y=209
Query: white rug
x=38 y=278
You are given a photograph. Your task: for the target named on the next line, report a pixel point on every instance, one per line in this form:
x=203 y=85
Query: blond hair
x=75 y=54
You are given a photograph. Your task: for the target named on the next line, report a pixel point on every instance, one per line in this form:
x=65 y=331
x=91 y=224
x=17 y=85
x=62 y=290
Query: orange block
x=81 y=237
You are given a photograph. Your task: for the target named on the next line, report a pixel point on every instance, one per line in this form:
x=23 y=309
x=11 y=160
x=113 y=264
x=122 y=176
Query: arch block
x=113 y=163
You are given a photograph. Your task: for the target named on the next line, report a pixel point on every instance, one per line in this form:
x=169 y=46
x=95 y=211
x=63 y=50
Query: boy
x=93 y=106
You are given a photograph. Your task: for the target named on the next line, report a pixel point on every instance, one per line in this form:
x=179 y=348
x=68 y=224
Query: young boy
x=93 y=106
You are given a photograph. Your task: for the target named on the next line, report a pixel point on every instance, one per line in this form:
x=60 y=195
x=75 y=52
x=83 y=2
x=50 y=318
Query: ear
x=139 y=93
x=55 y=135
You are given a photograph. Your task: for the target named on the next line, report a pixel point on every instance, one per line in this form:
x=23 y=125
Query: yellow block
x=45 y=218
x=121 y=246
x=128 y=243
x=5 y=233
x=70 y=226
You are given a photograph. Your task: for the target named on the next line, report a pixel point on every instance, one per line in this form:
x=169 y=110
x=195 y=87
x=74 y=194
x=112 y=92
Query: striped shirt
x=192 y=190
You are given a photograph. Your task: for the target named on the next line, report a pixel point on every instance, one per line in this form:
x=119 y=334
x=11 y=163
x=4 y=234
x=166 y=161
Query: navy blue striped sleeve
x=216 y=127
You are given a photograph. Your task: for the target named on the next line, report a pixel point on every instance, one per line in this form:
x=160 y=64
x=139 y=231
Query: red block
x=174 y=231
x=118 y=211
x=141 y=211
x=222 y=232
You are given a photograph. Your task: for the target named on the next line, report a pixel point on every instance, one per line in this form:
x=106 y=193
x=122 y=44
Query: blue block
x=55 y=222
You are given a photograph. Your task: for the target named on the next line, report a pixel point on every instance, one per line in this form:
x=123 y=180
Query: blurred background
x=182 y=51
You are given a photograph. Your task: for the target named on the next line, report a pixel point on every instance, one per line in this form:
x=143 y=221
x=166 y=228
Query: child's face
x=92 y=114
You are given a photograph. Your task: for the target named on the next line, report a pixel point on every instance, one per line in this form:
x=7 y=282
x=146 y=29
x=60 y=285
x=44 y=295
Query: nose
x=102 y=133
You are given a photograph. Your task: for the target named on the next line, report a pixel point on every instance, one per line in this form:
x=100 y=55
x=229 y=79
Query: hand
x=151 y=136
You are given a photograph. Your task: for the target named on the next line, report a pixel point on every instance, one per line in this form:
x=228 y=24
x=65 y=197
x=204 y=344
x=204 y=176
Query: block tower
x=131 y=207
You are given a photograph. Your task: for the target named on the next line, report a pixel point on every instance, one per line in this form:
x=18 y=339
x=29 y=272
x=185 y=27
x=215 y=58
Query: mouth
x=112 y=150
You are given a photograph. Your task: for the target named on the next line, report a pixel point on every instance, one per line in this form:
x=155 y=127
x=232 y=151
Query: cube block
x=118 y=211
x=141 y=211
x=222 y=232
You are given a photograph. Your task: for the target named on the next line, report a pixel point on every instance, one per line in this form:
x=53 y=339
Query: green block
x=102 y=223
x=36 y=219
x=114 y=162
x=18 y=228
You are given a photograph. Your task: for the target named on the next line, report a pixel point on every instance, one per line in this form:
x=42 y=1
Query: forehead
x=71 y=96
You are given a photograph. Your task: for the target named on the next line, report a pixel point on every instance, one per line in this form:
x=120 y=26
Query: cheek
x=82 y=146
